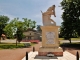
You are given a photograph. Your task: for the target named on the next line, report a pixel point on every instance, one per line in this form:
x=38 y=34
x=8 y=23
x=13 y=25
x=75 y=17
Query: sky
x=30 y=9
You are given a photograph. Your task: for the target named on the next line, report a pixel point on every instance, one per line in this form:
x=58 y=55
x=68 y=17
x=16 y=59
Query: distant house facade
x=32 y=34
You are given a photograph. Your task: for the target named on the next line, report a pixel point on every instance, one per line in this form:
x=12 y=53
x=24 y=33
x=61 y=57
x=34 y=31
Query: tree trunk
x=0 y=39
x=70 y=40
x=16 y=42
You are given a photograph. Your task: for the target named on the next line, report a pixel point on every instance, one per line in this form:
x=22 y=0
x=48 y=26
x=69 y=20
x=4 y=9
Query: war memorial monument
x=50 y=42
x=50 y=49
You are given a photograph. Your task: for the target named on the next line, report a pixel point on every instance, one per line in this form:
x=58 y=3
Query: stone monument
x=50 y=42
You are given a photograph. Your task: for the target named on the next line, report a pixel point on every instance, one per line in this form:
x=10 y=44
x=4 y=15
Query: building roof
x=29 y=29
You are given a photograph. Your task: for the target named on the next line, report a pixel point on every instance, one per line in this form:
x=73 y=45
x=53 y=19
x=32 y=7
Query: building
x=31 y=34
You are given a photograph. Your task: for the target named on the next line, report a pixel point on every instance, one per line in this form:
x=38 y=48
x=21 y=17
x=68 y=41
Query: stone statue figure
x=46 y=16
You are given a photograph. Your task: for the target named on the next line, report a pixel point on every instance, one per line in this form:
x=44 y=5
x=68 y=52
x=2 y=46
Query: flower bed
x=32 y=41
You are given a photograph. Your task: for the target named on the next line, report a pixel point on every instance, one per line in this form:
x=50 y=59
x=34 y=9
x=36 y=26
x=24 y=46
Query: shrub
x=71 y=45
x=27 y=44
x=10 y=46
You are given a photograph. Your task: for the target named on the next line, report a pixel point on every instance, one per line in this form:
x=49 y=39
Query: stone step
x=69 y=56
x=66 y=56
x=31 y=57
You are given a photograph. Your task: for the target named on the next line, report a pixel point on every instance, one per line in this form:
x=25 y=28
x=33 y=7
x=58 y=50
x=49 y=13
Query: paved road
x=9 y=41
x=67 y=41
x=14 y=41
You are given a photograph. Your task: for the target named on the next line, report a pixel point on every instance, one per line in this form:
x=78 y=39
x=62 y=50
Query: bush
x=71 y=45
x=27 y=44
x=11 y=46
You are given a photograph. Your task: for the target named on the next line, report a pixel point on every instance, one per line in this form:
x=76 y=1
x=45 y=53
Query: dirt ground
x=18 y=54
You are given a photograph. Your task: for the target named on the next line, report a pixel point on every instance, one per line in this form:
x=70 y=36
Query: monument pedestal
x=54 y=51
x=50 y=42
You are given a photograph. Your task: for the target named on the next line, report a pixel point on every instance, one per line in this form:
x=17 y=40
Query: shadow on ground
x=70 y=45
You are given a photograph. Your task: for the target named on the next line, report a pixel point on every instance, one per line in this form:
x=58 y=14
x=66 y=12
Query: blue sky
x=30 y=9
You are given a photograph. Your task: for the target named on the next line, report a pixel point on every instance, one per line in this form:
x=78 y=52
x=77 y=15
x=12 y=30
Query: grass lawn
x=71 y=38
x=75 y=45
x=13 y=45
x=75 y=38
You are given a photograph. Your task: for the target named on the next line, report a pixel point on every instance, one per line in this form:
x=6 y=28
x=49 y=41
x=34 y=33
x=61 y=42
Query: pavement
x=11 y=41
x=67 y=41
x=14 y=41
x=66 y=56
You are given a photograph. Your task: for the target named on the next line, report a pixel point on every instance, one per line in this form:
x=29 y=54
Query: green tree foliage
x=38 y=28
x=8 y=30
x=15 y=24
x=11 y=28
x=33 y=24
x=71 y=23
x=3 y=22
x=19 y=34
x=28 y=23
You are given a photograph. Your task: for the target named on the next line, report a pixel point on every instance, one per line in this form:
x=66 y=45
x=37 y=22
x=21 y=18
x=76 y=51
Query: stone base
x=56 y=51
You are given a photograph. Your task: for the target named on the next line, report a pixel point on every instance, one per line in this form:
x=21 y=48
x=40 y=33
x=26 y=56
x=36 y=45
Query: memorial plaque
x=50 y=36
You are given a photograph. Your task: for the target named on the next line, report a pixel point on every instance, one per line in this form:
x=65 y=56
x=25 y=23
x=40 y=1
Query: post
x=26 y=55
x=33 y=49
x=77 y=56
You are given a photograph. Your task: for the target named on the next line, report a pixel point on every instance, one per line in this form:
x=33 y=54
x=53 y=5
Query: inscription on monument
x=50 y=36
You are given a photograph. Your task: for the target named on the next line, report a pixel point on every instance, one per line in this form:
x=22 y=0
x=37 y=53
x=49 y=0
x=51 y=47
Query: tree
x=71 y=23
x=33 y=24
x=19 y=34
x=8 y=31
x=11 y=28
x=28 y=23
x=3 y=22
x=25 y=23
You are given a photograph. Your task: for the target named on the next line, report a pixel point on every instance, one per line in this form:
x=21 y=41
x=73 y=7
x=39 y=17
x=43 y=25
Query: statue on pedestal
x=46 y=16
x=50 y=42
